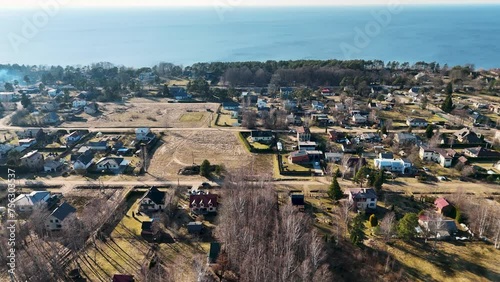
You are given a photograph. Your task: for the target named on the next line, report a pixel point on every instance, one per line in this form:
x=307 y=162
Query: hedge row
x=290 y=173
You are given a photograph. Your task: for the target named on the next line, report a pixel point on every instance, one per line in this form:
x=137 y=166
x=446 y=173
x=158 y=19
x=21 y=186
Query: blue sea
x=144 y=37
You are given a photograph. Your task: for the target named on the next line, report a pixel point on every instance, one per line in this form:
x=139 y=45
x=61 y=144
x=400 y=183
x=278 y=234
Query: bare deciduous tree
x=387 y=225
x=263 y=242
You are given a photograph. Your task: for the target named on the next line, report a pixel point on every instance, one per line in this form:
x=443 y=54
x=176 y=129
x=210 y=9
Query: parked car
x=443 y=178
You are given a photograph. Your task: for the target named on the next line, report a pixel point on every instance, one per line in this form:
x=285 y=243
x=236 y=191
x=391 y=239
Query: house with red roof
x=443 y=206
x=123 y=278
x=203 y=203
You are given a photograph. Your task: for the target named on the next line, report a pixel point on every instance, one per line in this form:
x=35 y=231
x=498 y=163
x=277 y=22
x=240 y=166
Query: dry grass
x=150 y=114
x=182 y=148
x=126 y=252
x=472 y=261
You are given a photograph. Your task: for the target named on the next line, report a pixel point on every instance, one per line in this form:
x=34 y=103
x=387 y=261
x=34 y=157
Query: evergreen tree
x=449 y=89
x=371 y=178
x=407 y=225
x=356 y=232
x=447 y=105
x=373 y=221
x=361 y=175
x=25 y=101
x=334 y=191
x=205 y=168
x=379 y=181
x=429 y=131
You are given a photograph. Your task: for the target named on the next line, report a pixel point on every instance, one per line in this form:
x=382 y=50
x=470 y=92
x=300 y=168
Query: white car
x=442 y=178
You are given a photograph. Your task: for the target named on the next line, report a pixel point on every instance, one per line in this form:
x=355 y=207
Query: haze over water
x=144 y=37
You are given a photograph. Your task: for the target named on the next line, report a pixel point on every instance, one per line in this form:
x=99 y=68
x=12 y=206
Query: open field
x=150 y=114
x=182 y=148
x=453 y=261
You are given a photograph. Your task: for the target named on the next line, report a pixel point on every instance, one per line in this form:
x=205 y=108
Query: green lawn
x=191 y=117
x=225 y=119
x=287 y=166
x=259 y=146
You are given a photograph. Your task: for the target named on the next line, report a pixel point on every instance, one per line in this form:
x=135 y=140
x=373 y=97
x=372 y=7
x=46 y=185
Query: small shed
x=195 y=227
x=214 y=252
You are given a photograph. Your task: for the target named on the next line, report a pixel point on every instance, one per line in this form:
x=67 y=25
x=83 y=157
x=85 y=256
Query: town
x=351 y=169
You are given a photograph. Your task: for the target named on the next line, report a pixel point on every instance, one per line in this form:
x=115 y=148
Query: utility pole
x=144 y=158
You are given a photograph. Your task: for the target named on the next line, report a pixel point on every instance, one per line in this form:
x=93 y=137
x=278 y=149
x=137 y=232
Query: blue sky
x=234 y=3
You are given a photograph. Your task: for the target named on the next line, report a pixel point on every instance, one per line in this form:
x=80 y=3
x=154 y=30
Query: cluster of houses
x=438 y=224
x=51 y=112
x=200 y=203
x=360 y=199
x=82 y=153
x=307 y=152
x=25 y=203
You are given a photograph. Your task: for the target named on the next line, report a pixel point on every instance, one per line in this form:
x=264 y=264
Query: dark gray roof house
x=230 y=105
x=63 y=211
x=156 y=195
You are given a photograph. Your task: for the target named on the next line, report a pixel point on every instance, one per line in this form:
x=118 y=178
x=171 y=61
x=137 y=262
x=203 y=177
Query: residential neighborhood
x=166 y=172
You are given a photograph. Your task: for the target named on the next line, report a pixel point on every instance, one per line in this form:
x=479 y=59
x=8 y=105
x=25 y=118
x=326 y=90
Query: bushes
x=245 y=142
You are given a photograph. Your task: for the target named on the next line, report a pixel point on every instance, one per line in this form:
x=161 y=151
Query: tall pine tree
x=447 y=105
x=379 y=181
x=334 y=190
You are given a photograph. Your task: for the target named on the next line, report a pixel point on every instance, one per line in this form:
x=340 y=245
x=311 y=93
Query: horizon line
x=222 y=4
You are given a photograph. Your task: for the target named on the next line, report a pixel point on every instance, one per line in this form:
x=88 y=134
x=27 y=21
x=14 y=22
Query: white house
x=52 y=166
x=54 y=92
x=6 y=96
x=28 y=142
x=417 y=122
x=261 y=103
x=358 y=119
x=144 y=134
x=261 y=136
x=334 y=157
x=362 y=198
x=74 y=136
x=55 y=220
x=26 y=202
x=319 y=106
x=393 y=165
x=405 y=138
x=340 y=107
x=79 y=103
x=153 y=200
x=83 y=161
x=441 y=156
x=113 y=164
